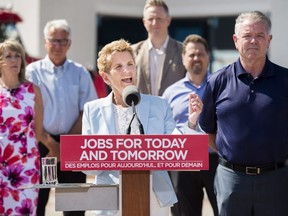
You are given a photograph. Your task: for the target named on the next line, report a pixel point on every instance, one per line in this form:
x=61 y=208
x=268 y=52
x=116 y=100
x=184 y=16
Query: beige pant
x=155 y=209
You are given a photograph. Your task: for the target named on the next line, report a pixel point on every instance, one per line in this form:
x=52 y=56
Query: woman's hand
x=195 y=109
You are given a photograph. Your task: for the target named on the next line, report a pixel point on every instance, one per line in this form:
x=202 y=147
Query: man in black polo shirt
x=246 y=110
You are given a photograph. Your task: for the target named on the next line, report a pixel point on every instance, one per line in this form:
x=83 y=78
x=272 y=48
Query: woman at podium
x=113 y=114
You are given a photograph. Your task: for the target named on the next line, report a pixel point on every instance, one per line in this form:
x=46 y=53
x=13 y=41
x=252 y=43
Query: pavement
x=50 y=208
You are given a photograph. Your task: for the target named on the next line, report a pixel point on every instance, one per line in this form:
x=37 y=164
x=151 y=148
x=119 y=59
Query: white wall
x=279 y=44
x=198 y=8
x=81 y=17
x=29 y=11
x=81 y=14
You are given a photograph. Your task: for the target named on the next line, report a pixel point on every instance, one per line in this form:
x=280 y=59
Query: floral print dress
x=19 y=156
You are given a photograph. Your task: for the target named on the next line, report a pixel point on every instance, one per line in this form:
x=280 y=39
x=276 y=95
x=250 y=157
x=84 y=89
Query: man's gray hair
x=253 y=15
x=59 y=24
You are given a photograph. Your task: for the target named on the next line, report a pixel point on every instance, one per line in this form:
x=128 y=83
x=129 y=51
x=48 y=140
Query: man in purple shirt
x=246 y=110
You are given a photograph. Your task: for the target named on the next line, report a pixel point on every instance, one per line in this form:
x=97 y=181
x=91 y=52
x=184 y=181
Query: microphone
x=132 y=97
x=131 y=94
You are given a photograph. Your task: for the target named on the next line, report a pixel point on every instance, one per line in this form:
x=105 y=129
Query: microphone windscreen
x=131 y=93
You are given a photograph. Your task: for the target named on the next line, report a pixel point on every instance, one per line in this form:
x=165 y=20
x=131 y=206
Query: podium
x=135 y=156
x=135 y=193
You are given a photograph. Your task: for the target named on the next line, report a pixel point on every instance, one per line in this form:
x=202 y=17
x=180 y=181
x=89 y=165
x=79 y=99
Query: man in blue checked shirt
x=189 y=185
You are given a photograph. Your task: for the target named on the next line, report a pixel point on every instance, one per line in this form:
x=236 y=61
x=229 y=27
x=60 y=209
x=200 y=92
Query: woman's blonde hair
x=104 y=59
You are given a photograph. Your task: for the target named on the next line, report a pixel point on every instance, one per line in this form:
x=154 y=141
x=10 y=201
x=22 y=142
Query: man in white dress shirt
x=65 y=87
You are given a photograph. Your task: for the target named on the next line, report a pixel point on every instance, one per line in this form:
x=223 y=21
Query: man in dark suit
x=158 y=58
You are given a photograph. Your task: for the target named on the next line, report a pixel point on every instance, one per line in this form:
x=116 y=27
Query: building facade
x=87 y=17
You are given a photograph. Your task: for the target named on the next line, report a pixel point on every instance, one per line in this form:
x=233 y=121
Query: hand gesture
x=195 y=109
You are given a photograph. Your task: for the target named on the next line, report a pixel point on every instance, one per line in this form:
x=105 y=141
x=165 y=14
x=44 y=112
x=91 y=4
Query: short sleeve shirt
x=250 y=115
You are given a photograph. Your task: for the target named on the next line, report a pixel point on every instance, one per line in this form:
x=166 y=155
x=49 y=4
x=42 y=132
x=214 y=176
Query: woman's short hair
x=15 y=46
x=104 y=61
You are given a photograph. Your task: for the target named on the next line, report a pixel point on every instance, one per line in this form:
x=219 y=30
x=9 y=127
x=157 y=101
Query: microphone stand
x=134 y=180
x=141 y=130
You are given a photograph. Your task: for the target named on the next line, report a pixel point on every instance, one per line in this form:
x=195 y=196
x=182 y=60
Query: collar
x=50 y=65
x=163 y=47
x=187 y=80
x=267 y=71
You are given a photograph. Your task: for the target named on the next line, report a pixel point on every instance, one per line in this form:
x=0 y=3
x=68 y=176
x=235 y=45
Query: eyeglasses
x=61 y=42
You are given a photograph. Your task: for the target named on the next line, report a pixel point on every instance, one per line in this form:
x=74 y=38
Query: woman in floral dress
x=21 y=115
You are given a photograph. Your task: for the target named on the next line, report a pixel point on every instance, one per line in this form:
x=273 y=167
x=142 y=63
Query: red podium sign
x=134 y=152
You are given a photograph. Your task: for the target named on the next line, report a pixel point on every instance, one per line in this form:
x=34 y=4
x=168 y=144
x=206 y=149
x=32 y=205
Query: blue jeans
x=239 y=194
